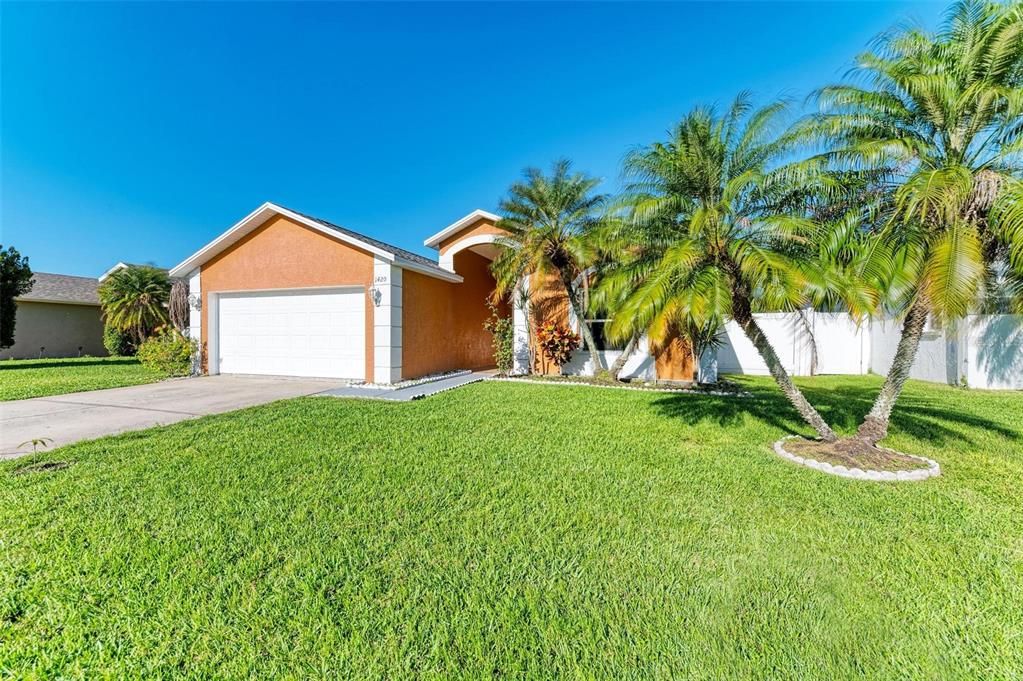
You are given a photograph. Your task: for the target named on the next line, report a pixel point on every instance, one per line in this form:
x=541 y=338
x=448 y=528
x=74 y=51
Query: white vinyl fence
x=981 y=351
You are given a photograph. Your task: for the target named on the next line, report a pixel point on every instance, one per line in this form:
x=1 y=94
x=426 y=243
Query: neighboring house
x=283 y=293
x=123 y=266
x=59 y=317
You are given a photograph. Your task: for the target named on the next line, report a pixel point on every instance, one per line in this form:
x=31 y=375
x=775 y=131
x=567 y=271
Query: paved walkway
x=412 y=392
x=84 y=416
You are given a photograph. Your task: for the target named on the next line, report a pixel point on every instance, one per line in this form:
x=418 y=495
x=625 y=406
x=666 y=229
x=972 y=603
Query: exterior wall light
x=376 y=295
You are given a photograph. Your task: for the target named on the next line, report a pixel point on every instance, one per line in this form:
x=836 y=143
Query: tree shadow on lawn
x=55 y=363
x=925 y=419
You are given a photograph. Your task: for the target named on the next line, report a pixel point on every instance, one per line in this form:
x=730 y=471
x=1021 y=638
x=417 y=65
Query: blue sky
x=138 y=132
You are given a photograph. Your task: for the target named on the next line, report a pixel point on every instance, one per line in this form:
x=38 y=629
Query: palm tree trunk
x=756 y=336
x=584 y=328
x=813 y=341
x=875 y=424
x=619 y=363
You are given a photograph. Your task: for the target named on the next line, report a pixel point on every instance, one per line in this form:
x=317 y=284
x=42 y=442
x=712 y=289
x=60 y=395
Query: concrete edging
x=476 y=379
x=933 y=469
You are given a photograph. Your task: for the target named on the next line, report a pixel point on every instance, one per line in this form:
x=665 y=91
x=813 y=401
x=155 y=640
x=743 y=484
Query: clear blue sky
x=138 y=132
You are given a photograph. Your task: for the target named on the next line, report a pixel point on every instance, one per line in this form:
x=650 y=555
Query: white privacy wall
x=842 y=346
x=935 y=359
x=983 y=351
x=994 y=351
x=639 y=366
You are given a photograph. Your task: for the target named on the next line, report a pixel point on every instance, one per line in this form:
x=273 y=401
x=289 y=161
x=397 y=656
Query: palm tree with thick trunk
x=939 y=120
x=550 y=220
x=134 y=299
x=702 y=212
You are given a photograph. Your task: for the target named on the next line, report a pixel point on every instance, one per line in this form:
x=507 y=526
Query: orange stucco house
x=283 y=293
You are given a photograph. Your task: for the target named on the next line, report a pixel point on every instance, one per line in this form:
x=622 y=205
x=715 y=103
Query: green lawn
x=23 y=378
x=521 y=531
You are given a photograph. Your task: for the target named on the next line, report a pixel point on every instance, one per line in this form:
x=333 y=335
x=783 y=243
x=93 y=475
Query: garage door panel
x=301 y=333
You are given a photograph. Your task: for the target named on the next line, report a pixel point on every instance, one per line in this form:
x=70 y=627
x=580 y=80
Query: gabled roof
x=460 y=224
x=397 y=256
x=62 y=288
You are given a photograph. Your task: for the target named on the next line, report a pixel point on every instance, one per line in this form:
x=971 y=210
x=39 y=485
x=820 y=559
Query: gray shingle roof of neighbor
x=399 y=252
x=62 y=288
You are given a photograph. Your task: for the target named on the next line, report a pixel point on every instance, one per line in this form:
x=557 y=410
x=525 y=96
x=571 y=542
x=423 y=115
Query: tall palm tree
x=134 y=300
x=939 y=119
x=550 y=220
x=703 y=212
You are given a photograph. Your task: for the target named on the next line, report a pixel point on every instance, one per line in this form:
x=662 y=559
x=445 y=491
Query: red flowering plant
x=556 y=342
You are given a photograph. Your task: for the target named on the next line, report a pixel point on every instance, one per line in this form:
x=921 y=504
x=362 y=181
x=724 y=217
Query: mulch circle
x=931 y=470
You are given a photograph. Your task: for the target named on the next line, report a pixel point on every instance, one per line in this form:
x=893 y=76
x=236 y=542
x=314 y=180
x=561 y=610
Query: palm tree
x=939 y=119
x=702 y=212
x=550 y=220
x=134 y=300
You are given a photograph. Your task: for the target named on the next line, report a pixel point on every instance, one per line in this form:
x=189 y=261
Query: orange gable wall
x=284 y=254
x=481 y=226
x=442 y=322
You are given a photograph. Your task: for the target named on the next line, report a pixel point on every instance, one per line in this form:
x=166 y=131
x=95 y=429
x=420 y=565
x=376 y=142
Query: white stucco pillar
x=195 y=317
x=707 y=370
x=520 y=324
x=386 y=322
x=194 y=306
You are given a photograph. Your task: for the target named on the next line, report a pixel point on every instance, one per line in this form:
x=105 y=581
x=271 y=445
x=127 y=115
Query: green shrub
x=503 y=331
x=118 y=343
x=168 y=352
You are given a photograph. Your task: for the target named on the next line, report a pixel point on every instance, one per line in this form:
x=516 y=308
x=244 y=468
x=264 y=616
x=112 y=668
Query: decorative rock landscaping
x=932 y=470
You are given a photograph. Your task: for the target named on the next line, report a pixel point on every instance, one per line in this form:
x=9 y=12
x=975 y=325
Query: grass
x=522 y=531
x=24 y=378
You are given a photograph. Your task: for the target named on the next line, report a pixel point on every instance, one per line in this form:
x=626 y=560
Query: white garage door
x=300 y=333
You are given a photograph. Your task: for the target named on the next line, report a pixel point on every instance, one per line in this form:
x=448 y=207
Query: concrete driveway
x=84 y=416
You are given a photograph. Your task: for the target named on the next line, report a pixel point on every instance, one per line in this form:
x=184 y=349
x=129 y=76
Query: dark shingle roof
x=63 y=288
x=399 y=252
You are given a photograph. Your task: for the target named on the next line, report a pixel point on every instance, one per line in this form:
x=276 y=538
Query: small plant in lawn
x=168 y=352
x=556 y=342
x=503 y=331
x=37 y=443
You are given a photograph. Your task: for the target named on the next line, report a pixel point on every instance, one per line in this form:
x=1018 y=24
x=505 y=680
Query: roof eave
x=259 y=216
x=431 y=271
x=54 y=301
x=460 y=224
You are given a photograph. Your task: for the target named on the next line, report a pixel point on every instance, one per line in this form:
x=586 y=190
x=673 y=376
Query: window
x=599 y=337
x=932 y=325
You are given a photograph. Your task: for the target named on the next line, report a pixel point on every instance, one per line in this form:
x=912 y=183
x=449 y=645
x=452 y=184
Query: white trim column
x=213 y=328
x=520 y=325
x=194 y=306
x=195 y=318
x=386 y=299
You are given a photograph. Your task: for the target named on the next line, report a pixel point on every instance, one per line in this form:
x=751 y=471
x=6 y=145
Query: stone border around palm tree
x=933 y=470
